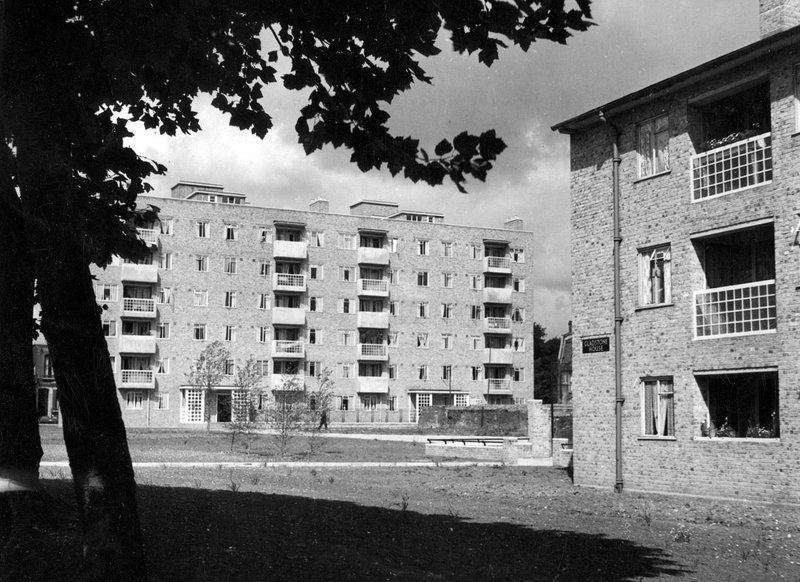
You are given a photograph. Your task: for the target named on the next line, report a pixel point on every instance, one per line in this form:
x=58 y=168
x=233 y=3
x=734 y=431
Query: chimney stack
x=513 y=223
x=778 y=15
x=319 y=205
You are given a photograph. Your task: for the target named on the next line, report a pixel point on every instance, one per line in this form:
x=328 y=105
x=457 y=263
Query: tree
x=545 y=365
x=287 y=412
x=74 y=75
x=245 y=399
x=320 y=401
x=207 y=372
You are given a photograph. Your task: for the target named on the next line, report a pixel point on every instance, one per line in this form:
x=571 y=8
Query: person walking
x=323 y=420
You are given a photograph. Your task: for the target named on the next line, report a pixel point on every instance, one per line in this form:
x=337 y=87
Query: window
x=165 y=261
x=518 y=375
x=110 y=328
x=393 y=339
x=476 y=251
x=345 y=305
x=474 y=311
x=657 y=407
x=422 y=340
x=47 y=367
x=106 y=292
x=163 y=330
x=201 y=263
x=202 y=229
x=461 y=400
x=344 y=402
x=475 y=282
x=264 y=300
x=314 y=336
x=346 y=241
x=230 y=299
x=518 y=344
x=392 y=371
x=345 y=371
x=476 y=342
x=517 y=255
x=288 y=301
x=346 y=337
x=113 y=360
x=422 y=279
x=315 y=304
x=655 y=276
x=317 y=238
x=477 y=373
x=230 y=367
x=231 y=232
x=315 y=272
x=230 y=333
x=134 y=400
x=313 y=369
x=422 y=372
x=346 y=274
x=394 y=277
x=447 y=249
x=423 y=309
x=162 y=401
x=162 y=366
x=200 y=299
x=394 y=244
x=264 y=234
x=230 y=265
x=518 y=284
x=653 y=146
x=167 y=226
x=423 y=247
x=200 y=331
x=447 y=280
x=447 y=310
x=262 y=334
x=518 y=315
x=264 y=268
x=741 y=405
x=394 y=308
x=447 y=372
x=262 y=367
x=164 y=295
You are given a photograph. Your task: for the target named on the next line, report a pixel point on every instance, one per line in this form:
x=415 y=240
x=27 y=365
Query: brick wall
x=475 y=420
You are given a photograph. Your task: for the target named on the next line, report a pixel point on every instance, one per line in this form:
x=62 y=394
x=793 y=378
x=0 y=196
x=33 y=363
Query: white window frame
x=231 y=299
x=264 y=268
x=663 y=416
x=651 y=274
x=317 y=238
x=447 y=249
x=422 y=279
x=518 y=284
x=263 y=334
x=394 y=244
x=231 y=232
x=200 y=299
x=165 y=261
x=316 y=272
x=422 y=372
x=110 y=327
x=162 y=366
x=201 y=263
x=421 y=339
x=423 y=247
x=346 y=241
x=447 y=280
x=447 y=310
x=200 y=332
x=100 y=292
x=163 y=330
x=231 y=265
x=315 y=304
x=167 y=226
x=264 y=301
x=346 y=274
x=134 y=400
x=648 y=136
x=202 y=229
x=423 y=309
x=518 y=375
x=394 y=308
x=162 y=401
x=230 y=333
x=447 y=341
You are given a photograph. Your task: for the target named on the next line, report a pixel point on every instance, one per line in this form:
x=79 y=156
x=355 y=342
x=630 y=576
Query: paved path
x=316 y=464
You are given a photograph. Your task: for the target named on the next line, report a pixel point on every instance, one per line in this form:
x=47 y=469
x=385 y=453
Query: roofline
x=425 y=212
x=189 y=183
x=216 y=193
x=377 y=202
x=691 y=76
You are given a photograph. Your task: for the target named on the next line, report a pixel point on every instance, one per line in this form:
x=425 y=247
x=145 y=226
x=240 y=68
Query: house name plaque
x=596 y=344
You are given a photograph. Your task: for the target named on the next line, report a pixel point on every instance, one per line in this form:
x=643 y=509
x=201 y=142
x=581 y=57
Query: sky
x=633 y=45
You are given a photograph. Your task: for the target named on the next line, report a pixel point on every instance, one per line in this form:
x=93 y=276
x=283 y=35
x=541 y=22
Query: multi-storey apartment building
x=404 y=310
x=685 y=367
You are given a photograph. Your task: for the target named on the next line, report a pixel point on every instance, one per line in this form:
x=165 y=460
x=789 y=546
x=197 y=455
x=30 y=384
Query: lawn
x=423 y=523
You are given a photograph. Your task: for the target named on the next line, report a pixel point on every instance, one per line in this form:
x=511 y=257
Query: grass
x=434 y=523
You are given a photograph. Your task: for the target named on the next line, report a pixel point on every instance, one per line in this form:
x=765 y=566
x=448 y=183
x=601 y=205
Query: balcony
x=498 y=386
x=499 y=265
x=373 y=352
x=373 y=287
x=497 y=325
x=148 y=235
x=289 y=282
x=373 y=319
x=497 y=294
x=288 y=382
x=138 y=379
x=135 y=307
x=373 y=256
x=137 y=344
x=735 y=310
x=289 y=249
x=288 y=316
x=133 y=273
x=497 y=356
x=373 y=384
x=288 y=349
x=732 y=167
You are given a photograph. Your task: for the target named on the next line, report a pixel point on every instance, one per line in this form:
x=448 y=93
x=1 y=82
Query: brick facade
x=659 y=341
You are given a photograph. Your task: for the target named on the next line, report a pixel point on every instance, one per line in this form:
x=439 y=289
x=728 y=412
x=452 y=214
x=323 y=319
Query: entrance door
x=224 y=407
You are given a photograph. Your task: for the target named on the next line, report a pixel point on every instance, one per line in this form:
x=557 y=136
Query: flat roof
x=376 y=202
x=691 y=76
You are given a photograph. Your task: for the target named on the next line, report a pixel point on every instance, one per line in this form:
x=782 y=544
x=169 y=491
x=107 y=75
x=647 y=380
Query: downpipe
x=618 y=399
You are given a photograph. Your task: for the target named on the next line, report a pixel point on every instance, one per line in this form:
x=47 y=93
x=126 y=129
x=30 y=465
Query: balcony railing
x=730 y=168
x=498 y=323
x=735 y=310
x=139 y=377
x=289 y=281
x=498 y=385
x=291 y=348
x=373 y=286
x=372 y=350
x=497 y=264
x=148 y=235
x=134 y=304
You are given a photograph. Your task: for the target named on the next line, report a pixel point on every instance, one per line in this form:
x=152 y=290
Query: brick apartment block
x=709 y=175
x=404 y=310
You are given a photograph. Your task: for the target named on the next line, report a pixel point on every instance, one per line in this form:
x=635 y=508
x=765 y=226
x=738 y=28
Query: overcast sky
x=634 y=44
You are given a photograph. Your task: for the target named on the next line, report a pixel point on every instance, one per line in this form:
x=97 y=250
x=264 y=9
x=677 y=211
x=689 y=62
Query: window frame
x=647 y=162
x=670 y=411
x=645 y=260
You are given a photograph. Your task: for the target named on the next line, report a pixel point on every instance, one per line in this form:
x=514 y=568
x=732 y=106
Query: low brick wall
x=475 y=420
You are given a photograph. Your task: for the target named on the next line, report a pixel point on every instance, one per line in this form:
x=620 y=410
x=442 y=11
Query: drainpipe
x=619 y=399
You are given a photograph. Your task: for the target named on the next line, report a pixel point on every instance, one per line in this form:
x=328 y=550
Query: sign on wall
x=596 y=344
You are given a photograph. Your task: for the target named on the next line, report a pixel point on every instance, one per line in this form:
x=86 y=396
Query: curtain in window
x=650 y=411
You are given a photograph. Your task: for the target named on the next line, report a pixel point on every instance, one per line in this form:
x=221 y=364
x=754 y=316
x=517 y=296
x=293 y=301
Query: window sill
x=737 y=440
x=656 y=438
x=654 y=306
x=650 y=177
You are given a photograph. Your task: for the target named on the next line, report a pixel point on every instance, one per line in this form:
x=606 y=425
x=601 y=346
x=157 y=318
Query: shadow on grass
x=204 y=535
